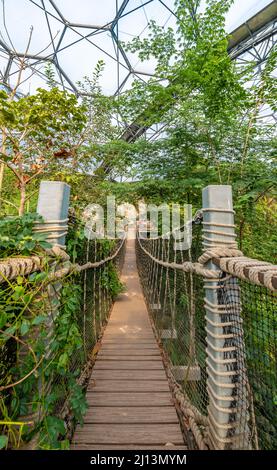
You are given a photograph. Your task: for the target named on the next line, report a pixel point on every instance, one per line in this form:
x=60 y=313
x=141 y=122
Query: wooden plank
x=128 y=385
x=154 y=447
x=130 y=338
x=130 y=346
x=134 y=434
x=129 y=399
x=128 y=374
x=138 y=328
x=132 y=341
x=124 y=414
x=126 y=358
x=128 y=365
x=104 y=351
x=130 y=404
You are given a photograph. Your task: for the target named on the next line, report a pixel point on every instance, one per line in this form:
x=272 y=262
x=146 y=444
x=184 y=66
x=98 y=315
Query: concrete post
x=227 y=382
x=53 y=204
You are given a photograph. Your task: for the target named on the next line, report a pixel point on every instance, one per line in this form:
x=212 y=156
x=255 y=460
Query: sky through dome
x=78 y=34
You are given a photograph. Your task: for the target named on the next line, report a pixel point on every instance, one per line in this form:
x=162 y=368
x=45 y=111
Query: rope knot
x=219 y=252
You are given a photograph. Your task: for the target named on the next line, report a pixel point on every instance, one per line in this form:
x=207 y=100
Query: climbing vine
x=42 y=349
x=40 y=375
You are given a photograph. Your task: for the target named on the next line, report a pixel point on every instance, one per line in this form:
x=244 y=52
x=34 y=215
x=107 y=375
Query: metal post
x=226 y=382
x=53 y=204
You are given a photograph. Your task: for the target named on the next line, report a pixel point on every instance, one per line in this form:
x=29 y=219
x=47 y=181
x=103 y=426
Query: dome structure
x=74 y=36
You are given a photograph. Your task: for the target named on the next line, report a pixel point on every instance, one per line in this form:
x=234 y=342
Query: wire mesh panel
x=257 y=353
x=175 y=301
x=99 y=288
x=94 y=281
x=245 y=355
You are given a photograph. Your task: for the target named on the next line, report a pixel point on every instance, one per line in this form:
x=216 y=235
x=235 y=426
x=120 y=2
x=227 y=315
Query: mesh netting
x=175 y=301
x=97 y=289
x=225 y=361
x=97 y=299
x=252 y=310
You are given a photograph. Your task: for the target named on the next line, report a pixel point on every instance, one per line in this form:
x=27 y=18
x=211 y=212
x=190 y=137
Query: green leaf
x=19 y=280
x=3 y=441
x=55 y=425
x=63 y=361
x=8 y=332
x=39 y=319
x=3 y=319
x=25 y=326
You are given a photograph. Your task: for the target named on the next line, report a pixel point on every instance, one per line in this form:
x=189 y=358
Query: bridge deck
x=130 y=404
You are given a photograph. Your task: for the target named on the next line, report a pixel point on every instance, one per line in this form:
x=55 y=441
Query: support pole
x=53 y=204
x=227 y=382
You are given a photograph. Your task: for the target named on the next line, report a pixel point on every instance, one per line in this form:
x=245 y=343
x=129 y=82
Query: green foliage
x=50 y=75
x=17 y=236
x=39 y=132
x=23 y=307
x=3 y=441
x=110 y=281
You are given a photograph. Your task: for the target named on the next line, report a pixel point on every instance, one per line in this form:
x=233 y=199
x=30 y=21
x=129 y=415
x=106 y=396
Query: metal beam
x=241 y=40
x=251 y=27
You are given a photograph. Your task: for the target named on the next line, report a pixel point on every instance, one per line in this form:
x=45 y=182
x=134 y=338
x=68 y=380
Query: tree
x=41 y=132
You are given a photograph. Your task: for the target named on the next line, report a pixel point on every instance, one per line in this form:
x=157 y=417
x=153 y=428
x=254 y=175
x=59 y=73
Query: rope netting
x=95 y=277
x=252 y=311
x=223 y=374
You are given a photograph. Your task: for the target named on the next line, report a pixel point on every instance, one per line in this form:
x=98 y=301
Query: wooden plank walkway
x=130 y=404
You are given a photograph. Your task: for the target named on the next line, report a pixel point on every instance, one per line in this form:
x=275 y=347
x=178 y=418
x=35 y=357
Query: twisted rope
x=230 y=260
x=187 y=266
x=13 y=267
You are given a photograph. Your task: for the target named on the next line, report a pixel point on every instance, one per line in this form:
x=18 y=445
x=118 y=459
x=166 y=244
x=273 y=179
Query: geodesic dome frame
x=74 y=45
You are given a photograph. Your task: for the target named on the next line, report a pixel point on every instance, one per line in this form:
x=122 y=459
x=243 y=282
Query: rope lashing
x=55 y=229
x=71 y=268
x=229 y=237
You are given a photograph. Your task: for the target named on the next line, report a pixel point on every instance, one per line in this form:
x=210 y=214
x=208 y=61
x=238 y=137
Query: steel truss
x=252 y=41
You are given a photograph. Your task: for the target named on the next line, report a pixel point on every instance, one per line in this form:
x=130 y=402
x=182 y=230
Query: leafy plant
x=17 y=236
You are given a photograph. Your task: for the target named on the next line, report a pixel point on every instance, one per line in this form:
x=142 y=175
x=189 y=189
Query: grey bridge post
x=225 y=362
x=53 y=204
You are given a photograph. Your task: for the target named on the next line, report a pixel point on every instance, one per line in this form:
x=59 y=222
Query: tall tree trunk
x=22 y=199
x=2 y=168
x=2 y=165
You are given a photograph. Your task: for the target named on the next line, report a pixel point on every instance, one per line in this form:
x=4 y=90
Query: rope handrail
x=229 y=260
x=20 y=266
x=77 y=268
x=187 y=266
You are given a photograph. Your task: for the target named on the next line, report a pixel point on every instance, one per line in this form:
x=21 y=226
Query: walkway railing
x=213 y=312
x=45 y=366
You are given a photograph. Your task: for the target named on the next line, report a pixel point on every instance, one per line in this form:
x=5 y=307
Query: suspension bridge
x=130 y=403
x=186 y=355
